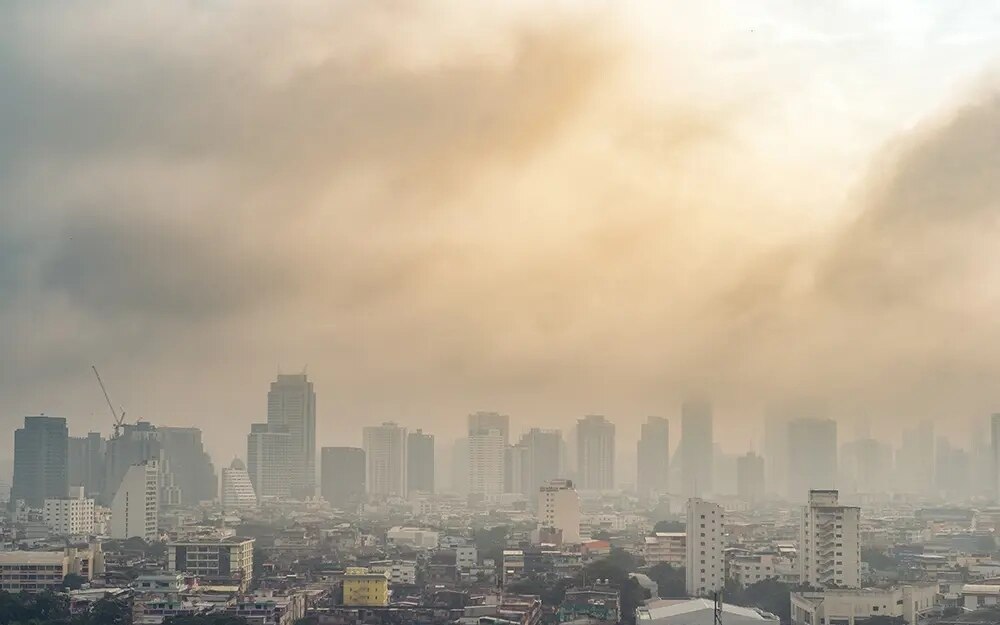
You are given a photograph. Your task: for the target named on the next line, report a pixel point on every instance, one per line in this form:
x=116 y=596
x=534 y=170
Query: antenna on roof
x=717 y=607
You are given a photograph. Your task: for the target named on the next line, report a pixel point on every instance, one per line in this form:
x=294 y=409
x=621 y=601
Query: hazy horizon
x=439 y=208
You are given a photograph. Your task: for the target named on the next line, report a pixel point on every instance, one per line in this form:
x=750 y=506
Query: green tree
x=769 y=595
x=878 y=559
x=72 y=581
x=669 y=580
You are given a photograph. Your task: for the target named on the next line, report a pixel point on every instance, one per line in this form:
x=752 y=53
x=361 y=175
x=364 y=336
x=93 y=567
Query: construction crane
x=118 y=418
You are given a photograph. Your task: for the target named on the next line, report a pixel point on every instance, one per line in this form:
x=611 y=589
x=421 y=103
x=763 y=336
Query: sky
x=545 y=209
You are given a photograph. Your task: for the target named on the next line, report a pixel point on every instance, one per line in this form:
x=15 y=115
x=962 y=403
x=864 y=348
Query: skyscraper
x=487 y=453
x=41 y=456
x=653 y=457
x=812 y=456
x=291 y=404
x=385 y=456
x=995 y=449
x=237 y=488
x=541 y=458
x=269 y=460
x=479 y=421
x=595 y=446
x=420 y=462
x=86 y=463
x=343 y=476
x=829 y=539
x=190 y=465
x=915 y=460
x=460 y=466
x=776 y=454
x=750 y=477
x=696 y=448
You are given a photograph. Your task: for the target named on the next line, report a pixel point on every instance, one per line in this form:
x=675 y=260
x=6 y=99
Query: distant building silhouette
x=420 y=462
x=653 y=457
x=750 y=477
x=385 y=457
x=696 y=448
x=291 y=404
x=812 y=456
x=595 y=453
x=41 y=454
x=342 y=470
x=269 y=460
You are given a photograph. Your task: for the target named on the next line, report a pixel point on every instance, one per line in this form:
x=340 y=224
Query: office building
x=269 y=460
x=237 y=487
x=221 y=561
x=697 y=448
x=915 y=460
x=706 y=560
x=190 y=467
x=420 y=462
x=460 y=466
x=38 y=571
x=343 y=476
x=750 y=477
x=541 y=459
x=291 y=405
x=41 y=454
x=364 y=588
x=776 y=454
x=135 y=507
x=515 y=469
x=487 y=453
x=812 y=456
x=135 y=443
x=484 y=421
x=666 y=548
x=385 y=455
x=829 y=546
x=70 y=516
x=559 y=510
x=86 y=463
x=595 y=451
x=653 y=457
x=866 y=466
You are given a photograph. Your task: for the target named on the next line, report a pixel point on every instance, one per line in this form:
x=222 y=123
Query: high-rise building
x=269 y=460
x=952 y=471
x=559 y=509
x=291 y=404
x=515 y=469
x=706 y=560
x=866 y=465
x=385 y=455
x=776 y=454
x=812 y=456
x=190 y=465
x=541 y=459
x=595 y=451
x=829 y=545
x=696 y=448
x=460 y=466
x=653 y=457
x=237 y=488
x=915 y=460
x=487 y=452
x=86 y=463
x=750 y=477
x=995 y=449
x=420 y=462
x=41 y=455
x=135 y=443
x=135 y=507
x=72 y=515
x=342 y=470
x=484 y=421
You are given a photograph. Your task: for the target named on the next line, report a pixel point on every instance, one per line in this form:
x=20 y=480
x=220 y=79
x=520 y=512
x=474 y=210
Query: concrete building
x=416 y=537
x=542 y=458
x=995 y=454
x=559 y=509
x=398 y=571
x=750 y=568
x=136 y=505
x=291 y=405
x=812 y=456
x=237 y=487
x=419 y=462
x=466 y=557
x=666 y=548
x=915 y=460
x=829 y=542
x=342 y=476
x=224 y=561
x=487 y=454
x=36 y=571
x=482 y=420
x=750 y=478
x=365 y=588
x=190 y=466
x=699 y=612
x=855 y=606
x=41 y=452
x=86 y=463
x=706 y=559
x=269 y=452
x=653 y=457
x=70 y=516
x=385 y=454
x=697 y=449
x=595 y=453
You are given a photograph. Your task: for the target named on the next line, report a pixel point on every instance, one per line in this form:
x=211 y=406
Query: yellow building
x=364 y=588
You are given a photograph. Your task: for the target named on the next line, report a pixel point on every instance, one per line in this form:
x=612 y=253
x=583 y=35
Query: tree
x=72 y=581
x=631 y=596
x=669 y=526
x=879 y=560
x=769 y=595
x=669 y=580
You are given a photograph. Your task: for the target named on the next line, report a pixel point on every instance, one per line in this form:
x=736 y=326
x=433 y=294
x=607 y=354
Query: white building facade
x=829 y=544
x=559 y=509
x=72 y=516
x=706 y=560
x=236 y=490
x=135 y=508
x=385 y=459
x=487 y=451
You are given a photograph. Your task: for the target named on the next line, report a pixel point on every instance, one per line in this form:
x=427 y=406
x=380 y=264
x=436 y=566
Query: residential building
x=86 y=463
x=41 y=452
x=915 y=460
x=269 y=608
x=466 y=557
x=269 y=452
x=697 y=448
x=398 y=571
x=225 y=561
x=750 y=477
x=420 y=462
x=416 y=537
x=291 y=406
x=191 y=468
x=385 y=454
x=479 y=421
x=559 y=509
x=237 y=487
x=363 y=588
x=706 y=561
x=487 y=452
x=653 y=457
x=541 y=458
x=776 y=453
x=600 y=603
x=750 y=568
x=829 y=545
x=856 y=605
x=36 y=571
x=812 y=456
x=70 y=516
x=700 y=612
x=595 y=453
x=136 y=504
x=666 y=548
x=342 y=472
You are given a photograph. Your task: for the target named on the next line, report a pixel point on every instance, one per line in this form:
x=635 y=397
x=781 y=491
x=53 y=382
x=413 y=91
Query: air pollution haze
x=546 y=210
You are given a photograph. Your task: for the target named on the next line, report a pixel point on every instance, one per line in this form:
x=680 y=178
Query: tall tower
x=41 y=456
x=291 y=404
x=653 y=457
x=420 y=462
x=696 y=448
x=595 y=445
x=489 y=434
x=995 y=449
x=385 y=455
x=542 y=458
x=269 y=460
x=343 y=476
x=750 y=477
x=812 y=456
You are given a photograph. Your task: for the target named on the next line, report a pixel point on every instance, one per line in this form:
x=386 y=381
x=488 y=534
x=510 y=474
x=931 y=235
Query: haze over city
x=439 y=208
